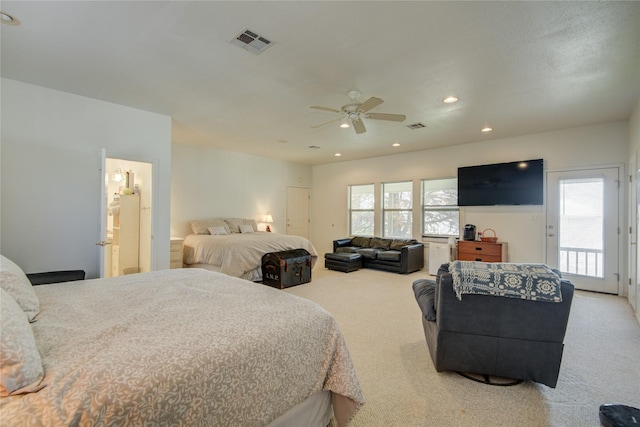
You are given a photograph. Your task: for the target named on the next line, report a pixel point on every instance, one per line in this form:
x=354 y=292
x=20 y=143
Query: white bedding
x=240 y=254
x=181 y=347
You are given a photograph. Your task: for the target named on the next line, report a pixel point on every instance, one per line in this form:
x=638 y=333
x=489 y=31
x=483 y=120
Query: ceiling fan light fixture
x=7 y=19
x=345 y=124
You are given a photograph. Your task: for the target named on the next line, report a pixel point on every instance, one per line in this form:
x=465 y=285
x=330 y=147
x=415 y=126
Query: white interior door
x=633 y=232
x=298 y=211
x=583 y=227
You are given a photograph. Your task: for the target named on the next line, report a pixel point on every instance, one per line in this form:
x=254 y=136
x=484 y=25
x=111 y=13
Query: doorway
x=582 y=235
x=128 y=223
x=298 y=211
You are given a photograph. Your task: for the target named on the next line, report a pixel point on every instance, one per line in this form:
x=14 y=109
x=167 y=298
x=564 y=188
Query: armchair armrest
x=55 y=277
x=341 y=243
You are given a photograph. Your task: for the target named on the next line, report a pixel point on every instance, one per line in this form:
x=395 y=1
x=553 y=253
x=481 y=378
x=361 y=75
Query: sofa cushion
x=361 y=242
x=369 y=253
x=348 y=249
x=379 y=243
x=389 y=255
x=425 y=292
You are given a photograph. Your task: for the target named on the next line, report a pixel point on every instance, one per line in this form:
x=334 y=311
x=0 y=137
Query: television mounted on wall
x=500 y=184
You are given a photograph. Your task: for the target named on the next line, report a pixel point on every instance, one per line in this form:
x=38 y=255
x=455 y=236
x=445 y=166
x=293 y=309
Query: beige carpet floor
x=380 y=320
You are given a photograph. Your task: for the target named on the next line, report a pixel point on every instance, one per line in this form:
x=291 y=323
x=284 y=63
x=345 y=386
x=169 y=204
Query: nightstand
x=175 y=256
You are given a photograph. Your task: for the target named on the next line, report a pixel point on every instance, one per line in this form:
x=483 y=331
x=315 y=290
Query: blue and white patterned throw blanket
x=535 y=282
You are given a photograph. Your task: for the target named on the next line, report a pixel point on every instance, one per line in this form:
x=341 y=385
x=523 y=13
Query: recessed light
x=395 y=144
x=338 y=154
x=450 y=99
x=486 y=129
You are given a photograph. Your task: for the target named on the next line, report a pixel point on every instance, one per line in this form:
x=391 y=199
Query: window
x=441 y=215
x=361 y=204
x=397 y=208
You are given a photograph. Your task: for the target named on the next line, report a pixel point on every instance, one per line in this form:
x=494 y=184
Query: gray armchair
x=494 y=336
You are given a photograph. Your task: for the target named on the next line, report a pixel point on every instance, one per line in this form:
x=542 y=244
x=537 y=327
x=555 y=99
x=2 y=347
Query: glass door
x=582 y=227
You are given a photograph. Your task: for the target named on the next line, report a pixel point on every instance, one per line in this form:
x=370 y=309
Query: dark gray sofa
x=489 y=335
x=397 y=255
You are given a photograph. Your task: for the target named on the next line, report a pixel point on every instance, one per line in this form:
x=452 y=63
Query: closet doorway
x=127 y=217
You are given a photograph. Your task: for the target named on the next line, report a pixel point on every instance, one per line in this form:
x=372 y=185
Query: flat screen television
x=514 y=183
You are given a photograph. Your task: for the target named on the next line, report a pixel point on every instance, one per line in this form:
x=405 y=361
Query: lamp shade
x=268 y=218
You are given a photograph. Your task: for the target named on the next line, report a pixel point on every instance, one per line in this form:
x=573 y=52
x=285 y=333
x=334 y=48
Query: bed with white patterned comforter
x=184 y=347
x=240 y=254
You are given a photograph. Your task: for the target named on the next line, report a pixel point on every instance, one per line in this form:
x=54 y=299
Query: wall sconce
x=117 y=175
x=268 y=219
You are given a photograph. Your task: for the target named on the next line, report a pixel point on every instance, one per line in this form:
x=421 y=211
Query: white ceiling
x=519 y=67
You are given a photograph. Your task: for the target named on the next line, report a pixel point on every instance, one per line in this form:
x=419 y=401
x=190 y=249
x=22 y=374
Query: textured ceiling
x=519 y=67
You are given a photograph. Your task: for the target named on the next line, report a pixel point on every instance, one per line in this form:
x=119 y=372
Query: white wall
x=210 y=183
x=50 y=176
x=604 y=144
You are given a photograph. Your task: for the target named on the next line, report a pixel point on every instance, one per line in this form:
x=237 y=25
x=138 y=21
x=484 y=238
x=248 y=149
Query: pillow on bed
x=20 y=364
x=246 y=228
x=234 y=224
x=217 y=230
x=15 y=282
x=202 y=226
x=252 y=223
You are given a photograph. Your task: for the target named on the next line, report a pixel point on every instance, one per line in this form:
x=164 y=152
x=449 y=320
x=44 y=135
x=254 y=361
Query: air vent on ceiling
x=251 y=41
x=314 y=147
x=416 y=126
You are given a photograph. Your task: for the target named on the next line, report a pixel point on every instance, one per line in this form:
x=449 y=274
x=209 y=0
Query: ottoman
x=343 y=261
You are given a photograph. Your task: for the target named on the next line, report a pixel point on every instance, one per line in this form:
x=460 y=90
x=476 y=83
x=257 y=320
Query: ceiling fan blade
x=369 y=104
x=333 y=110
x=385 y=116
x=326 y=123
x=358 y=126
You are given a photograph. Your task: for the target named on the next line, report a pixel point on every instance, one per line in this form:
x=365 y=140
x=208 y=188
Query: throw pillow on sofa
x=397 y=244
x=379 y=243
x=361 y=242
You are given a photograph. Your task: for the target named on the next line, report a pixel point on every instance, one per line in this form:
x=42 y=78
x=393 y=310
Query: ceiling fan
x=354 y=113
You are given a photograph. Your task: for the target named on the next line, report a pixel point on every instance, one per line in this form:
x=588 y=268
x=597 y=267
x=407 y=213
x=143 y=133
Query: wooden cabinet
x=126 y=236
x=175 y=257
x=482 y=251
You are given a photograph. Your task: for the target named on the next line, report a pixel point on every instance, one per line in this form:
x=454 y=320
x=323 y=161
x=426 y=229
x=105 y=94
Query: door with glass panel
x=582 y=227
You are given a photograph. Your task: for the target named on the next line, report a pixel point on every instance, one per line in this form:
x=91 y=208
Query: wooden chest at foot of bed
x=286 y=268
